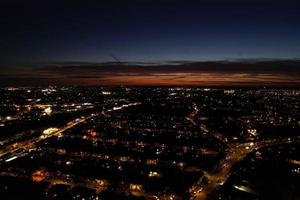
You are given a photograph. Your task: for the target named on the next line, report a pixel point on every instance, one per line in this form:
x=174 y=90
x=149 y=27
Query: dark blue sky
x=35 y=31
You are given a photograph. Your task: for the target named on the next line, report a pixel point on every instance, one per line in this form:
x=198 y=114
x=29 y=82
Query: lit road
x=27 y=145
x=234 y=154
x=30 y=144
x=204 y=129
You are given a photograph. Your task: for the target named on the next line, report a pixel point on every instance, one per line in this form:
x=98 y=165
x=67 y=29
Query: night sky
x=41 y=40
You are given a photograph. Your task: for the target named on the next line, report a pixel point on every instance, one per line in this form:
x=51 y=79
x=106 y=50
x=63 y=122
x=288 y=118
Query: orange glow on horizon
x=185 y=79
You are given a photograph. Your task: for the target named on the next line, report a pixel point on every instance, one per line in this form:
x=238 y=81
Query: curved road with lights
x=234 y=154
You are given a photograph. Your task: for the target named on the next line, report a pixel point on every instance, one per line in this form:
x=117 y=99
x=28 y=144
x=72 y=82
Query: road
x=234 y=154
x=204 y=129
x=30 y=144
x=27 y=145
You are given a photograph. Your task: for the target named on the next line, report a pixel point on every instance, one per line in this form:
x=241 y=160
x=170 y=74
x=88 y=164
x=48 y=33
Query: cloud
x=200 y=73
